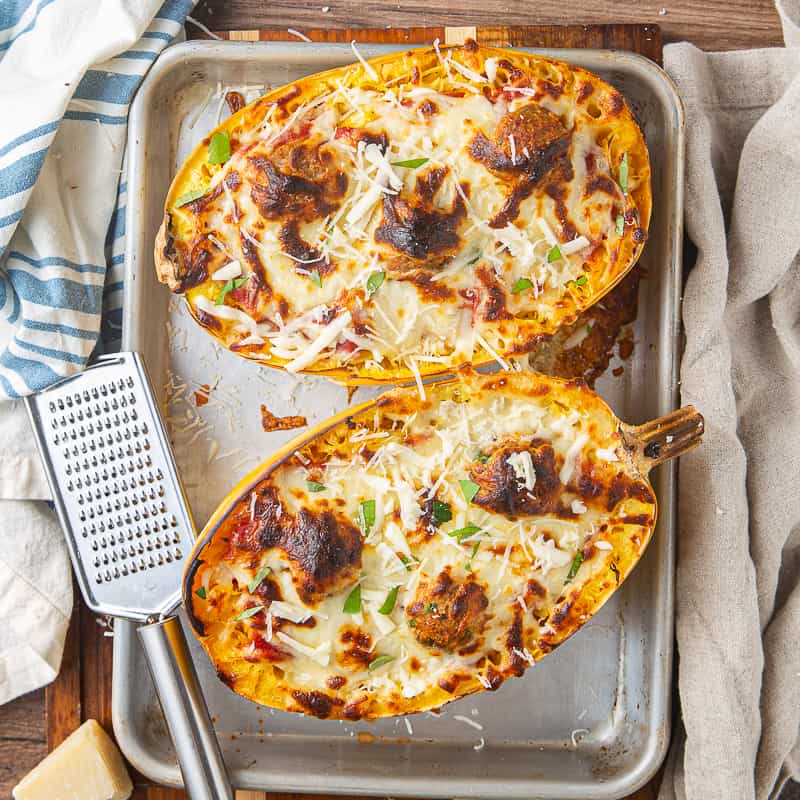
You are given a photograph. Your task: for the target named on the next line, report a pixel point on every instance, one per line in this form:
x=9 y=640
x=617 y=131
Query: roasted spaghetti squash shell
x=579 y=602
x=617 y=130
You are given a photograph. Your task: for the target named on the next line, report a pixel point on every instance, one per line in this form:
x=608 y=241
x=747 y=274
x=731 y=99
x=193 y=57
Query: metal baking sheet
x=590 y=721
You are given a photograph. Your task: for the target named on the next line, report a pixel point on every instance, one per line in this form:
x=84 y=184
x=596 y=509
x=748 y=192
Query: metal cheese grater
x=128 y=528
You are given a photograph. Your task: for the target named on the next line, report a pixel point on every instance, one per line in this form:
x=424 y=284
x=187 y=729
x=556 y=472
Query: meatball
x=501 y=491
x=445 y=613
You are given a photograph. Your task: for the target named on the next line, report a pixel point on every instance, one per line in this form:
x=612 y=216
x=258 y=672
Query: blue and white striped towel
x=68 y=72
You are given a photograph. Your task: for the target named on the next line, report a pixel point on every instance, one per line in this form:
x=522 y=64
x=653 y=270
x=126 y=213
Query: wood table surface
x=711 y=25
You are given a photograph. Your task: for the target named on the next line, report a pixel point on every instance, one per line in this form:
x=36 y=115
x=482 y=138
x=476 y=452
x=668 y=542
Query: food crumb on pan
x=201 y=395
x=271 y=422
x=578 y=732
x=481 y=744
x=468 y=721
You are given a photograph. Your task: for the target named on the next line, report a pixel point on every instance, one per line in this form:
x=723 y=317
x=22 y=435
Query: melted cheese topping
x=482 y=289
x=415 y=485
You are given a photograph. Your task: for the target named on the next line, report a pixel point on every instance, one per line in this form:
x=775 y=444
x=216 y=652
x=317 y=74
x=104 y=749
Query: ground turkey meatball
x=446 y=613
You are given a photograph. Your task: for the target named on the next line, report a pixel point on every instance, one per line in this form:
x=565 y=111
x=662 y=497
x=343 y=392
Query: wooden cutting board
x=83 y=688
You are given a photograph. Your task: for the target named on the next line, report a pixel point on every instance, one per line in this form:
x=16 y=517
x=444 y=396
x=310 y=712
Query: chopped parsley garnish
x=441 y=512
x=482 y=457
x=233 y=283
x=474 y=259
x=620 y=225
x=313 y=486
x=623 y=173
x=315 y=278
x=256 y=582
x=374 y=282
x=581 y=280
x=189 y=196
x=554 y=254
x=432 y=608
x=412 y=163
x=412 y=623
x=201 y=592
x=589 y=329
x=576 y=565
x=465 y=532
x=353 y=603
x=366 y=516
x=469 y=489
x=378 y=662
x=219 y=148
x=468 y=567
x=521 y=285
x=615 y=569
x=474 y=549
x=248 y=612
x=388 y=603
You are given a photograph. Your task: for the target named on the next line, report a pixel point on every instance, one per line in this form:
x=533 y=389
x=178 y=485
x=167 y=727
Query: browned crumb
x=201 y=395
x=235 y=101
x=617 y=371
x=269 y=422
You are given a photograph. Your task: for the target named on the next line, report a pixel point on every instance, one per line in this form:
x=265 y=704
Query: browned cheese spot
x=317 y=703
x=323 y=548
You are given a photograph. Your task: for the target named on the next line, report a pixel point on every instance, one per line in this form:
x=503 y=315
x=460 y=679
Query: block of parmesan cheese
x=86 y=766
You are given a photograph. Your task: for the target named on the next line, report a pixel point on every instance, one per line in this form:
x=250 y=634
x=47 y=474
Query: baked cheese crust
x=398 y=218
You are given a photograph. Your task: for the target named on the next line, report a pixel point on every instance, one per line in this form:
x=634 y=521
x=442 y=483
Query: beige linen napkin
x=738 y=581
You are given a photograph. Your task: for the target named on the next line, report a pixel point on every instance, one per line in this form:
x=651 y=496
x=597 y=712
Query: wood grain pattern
x=711 y=24
x=644 y=39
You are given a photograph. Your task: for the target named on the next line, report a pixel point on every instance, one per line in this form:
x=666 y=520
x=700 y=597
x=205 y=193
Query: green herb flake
x=409 y=562
x=468 y=567
x=256 y=582
x=412 y=623
x=441 y=512
x=412 y=163
x=581 y=280
x=576 y=565
x=432 y=608
x=469 y=489
x=201 y=592
x=366 y=516
x=465 y=532
x=482 y=457
x=474 y=259
x=623 y=173
x=378 y=662
x=521 y=285
x=189 y=197
x=313 y=486
x=374 y=282
x=353 y=603
x=589 y=329
x=388 y=603
x=620 y=225
x=315 y=278
x=554 y=254
x=474 y=549
x=219 y=148
x=248 y=612
x=233 y=283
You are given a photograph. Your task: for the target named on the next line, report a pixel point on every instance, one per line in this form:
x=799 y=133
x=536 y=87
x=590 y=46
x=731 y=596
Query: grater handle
x=185 y=710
